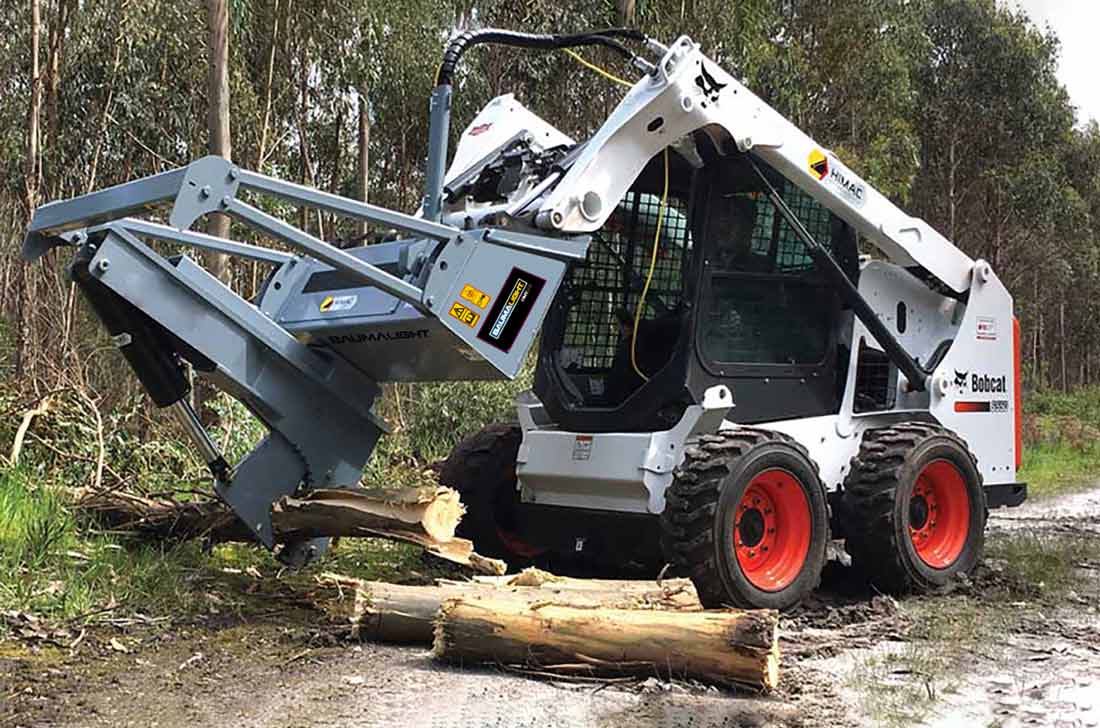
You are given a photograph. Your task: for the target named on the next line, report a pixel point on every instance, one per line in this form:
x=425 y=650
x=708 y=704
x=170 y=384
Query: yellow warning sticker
x=819 y=164
x=465 y=315
x=474 y=296
x=327 y=303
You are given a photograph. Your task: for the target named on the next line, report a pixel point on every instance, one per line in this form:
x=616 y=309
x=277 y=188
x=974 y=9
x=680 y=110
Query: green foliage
x=1061 y=440
x=1082 y=404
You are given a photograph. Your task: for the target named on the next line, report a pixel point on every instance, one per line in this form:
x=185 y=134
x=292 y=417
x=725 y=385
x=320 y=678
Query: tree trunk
x=724 y=647
x=626 y=12
x=1062 y=336
x=23 y=359
x=217 y=123
x=403 y=614
x=362 y=177
x=217 y=111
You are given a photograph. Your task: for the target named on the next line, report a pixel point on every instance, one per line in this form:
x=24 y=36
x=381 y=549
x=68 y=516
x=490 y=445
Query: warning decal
x=465 y=315
x=474 y=296
x=819 y=164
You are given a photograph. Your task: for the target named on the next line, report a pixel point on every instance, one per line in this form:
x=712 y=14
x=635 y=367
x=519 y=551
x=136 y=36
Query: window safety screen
x=603 y=292
x=767 y=304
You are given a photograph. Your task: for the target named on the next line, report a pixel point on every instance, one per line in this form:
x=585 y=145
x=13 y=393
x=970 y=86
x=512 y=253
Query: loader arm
x=688 y=92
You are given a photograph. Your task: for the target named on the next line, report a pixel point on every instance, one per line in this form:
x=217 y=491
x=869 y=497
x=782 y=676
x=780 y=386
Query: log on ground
x=426 y=517
x=727 y=647
x=384 y=612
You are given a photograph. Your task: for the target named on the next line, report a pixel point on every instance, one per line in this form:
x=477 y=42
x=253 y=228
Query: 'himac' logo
x=960 y=378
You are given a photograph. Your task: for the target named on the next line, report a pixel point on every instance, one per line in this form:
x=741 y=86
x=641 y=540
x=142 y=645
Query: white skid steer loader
x=722 y=383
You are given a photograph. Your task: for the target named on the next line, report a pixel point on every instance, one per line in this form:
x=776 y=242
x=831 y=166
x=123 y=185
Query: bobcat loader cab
x=722 y=382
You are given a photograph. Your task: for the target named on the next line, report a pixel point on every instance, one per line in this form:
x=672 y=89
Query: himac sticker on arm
x=464 y=314
x=474 y=296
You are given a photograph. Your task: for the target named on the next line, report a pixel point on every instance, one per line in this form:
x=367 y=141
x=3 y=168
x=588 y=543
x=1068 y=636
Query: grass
x=1062 y=440
x=1038 y=566
x=54 y=566
x=1052 y=469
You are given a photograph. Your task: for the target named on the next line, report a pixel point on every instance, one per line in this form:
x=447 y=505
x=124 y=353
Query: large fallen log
x=383 y=612
x=426 y=517
x=725 y=647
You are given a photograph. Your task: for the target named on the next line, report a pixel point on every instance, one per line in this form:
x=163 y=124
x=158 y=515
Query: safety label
x=474 y=296
x=582 y=447
x=987 y=328
x=338 y=303
x=464 y=314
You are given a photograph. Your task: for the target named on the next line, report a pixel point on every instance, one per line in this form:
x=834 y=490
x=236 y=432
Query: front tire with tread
x=699 y=522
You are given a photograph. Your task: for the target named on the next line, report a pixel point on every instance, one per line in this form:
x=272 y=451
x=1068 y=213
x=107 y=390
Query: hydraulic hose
x=464 y=41
x=444 y=80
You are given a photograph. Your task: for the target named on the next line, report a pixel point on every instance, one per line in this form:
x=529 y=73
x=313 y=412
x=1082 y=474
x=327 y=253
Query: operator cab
x=734 y=298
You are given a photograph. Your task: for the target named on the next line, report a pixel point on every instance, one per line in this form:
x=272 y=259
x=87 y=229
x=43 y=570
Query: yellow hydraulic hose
x=649 y=275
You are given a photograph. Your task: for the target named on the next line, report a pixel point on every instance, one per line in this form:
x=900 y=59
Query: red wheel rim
x=771 y=534
x=939 y=514
x=518 y=546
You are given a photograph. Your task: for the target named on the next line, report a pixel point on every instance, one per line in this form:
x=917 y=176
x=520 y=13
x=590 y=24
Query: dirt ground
x=849 y=658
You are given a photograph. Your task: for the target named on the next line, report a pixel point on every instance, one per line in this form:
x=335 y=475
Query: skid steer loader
x=723 y=381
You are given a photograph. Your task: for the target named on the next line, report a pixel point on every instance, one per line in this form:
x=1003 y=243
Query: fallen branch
x=21 y=433
x=426 y=517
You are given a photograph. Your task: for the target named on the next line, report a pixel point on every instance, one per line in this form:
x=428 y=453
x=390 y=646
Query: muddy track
x=286 y=665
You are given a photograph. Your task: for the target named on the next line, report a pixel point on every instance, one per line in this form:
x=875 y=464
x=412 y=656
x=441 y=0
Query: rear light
x=1017 y=394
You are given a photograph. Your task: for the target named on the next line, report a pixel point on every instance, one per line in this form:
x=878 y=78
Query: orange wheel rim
x=939 y=514
x=771 y=534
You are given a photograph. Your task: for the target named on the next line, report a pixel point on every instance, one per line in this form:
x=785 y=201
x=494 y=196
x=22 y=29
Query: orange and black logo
x=819 y=164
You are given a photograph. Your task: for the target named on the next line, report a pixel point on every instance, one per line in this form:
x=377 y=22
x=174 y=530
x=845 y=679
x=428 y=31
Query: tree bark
x=362 y=178
x=24 y=360
x=724 y=647
x=217 y=111
x=220 y=144
x=382 y=612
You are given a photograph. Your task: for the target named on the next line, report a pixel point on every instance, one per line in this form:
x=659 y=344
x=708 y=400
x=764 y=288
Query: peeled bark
x=724 y=647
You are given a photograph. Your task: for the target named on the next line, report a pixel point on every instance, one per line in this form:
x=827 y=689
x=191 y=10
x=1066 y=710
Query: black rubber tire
x=482 y=468
x=876 y=512
x=700 y=507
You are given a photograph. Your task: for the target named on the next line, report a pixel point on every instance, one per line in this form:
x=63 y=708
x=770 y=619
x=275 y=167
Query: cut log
x=426 y=517
x=383 y=612
x=723 y=646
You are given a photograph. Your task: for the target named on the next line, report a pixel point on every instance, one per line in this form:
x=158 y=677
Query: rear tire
x=914 y=508
x=482 y=468
x=746 y=515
